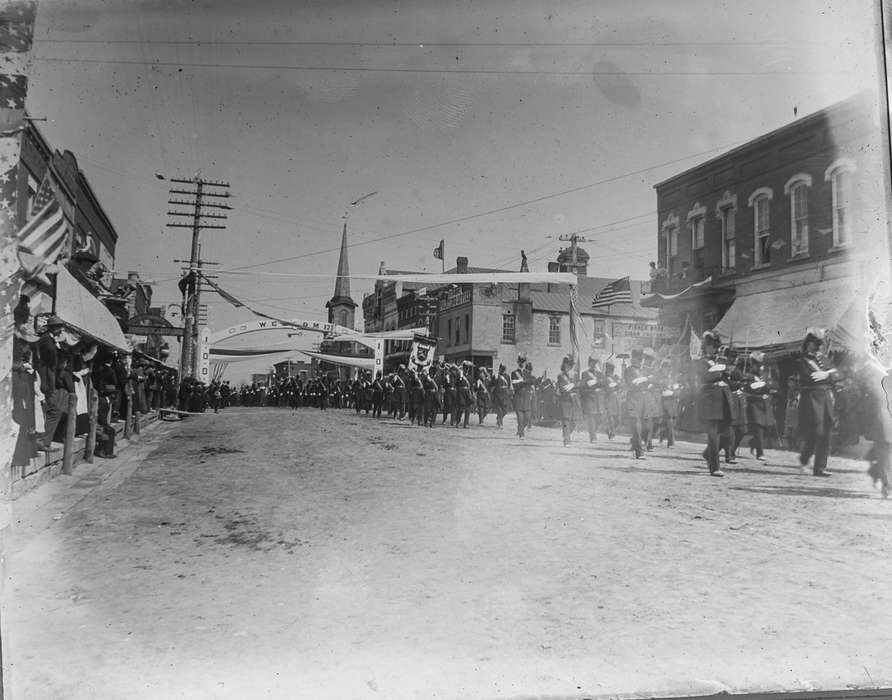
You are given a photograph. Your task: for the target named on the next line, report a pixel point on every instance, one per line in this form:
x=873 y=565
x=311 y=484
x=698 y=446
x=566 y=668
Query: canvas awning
x=780 y=317
x=85 y=313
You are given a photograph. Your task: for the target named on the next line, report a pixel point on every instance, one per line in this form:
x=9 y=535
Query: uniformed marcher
x=501 y=394
x=636 y=386
x=522 y=384
x=816 y=380
x=611 y=386
x=669 y=393
x=566 y=389
x=591 y=395
x=759 y=404
x=652 y=410
x=716 y=404
x=481 y=391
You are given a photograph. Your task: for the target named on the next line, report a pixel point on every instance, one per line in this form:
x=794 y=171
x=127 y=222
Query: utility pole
x=201 y=195
x=574 y=238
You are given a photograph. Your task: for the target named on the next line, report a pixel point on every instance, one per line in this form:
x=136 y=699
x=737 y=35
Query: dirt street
x=261 y=553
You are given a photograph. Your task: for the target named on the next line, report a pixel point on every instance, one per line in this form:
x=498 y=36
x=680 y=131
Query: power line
x=439 y=71
x=469 y=217
x=424 y=44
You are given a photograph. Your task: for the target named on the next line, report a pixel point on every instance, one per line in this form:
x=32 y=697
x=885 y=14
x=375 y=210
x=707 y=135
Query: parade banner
x=423 y=351
x=204 y=355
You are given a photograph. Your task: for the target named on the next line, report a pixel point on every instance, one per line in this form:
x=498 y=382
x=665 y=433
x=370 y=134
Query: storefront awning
x=85 y=313
x=780 y=317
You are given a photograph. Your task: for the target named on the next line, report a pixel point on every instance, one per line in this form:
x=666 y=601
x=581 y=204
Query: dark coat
x=47 y=363
x=759 y=406
x=816 y=402
x=611 y=385
x=715 y=401
x=635 y=391
x=591 y=396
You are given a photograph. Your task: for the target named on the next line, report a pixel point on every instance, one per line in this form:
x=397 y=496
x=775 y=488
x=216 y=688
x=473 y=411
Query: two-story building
x=778 y=234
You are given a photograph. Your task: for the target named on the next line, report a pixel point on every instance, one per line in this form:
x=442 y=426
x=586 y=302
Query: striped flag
x=616 y=292
x=42 y=240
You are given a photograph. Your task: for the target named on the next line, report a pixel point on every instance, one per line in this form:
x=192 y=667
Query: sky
x=496 y=126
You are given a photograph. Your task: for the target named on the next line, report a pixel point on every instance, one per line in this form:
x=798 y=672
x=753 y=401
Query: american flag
x=616 y=292
x=43 y=238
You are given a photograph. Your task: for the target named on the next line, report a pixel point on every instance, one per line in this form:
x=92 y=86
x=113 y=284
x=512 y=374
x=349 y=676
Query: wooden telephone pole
x=196 y=199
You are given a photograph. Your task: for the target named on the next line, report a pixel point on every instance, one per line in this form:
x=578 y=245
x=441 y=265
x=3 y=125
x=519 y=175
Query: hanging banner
x=423 y=351
x=203 y=371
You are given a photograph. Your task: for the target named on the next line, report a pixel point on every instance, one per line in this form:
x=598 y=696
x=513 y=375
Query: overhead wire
x=438 y=71
x=497 y=210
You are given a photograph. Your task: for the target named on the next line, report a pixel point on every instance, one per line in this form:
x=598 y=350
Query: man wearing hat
x=522 y=383
x=816 y=380
x=55 y=402
x=610 y=384
x=716 y=404
x=566 y=388
x=652 y=410
x=759 y=409
x=636 y=385
x=591 y=393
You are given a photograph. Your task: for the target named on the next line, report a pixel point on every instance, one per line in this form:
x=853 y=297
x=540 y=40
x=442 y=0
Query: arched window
x=839 y=175
x=760 y=201
x=797 y=188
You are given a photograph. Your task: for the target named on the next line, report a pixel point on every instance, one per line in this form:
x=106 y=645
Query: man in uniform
x=611 y=386
x=566 y=388
x=816 y=380
x=522 y=383
x=716 y=404
x=759 y=409
x=591 y=393
x=501 y=394
x=636 y=386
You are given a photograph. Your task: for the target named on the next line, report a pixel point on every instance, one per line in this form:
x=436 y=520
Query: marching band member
x=636 y=382
x=591 y=393
x=522 y=383
x=715 y=400
x=481 y=389
x=566 y=388
x=501 y=394
x=759 y=410
x=611 y=388
x=652 y=411
x=816 y=380
x=669 y=397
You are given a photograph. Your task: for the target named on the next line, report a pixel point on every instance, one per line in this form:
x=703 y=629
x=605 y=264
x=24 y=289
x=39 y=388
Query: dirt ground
x=261 y=553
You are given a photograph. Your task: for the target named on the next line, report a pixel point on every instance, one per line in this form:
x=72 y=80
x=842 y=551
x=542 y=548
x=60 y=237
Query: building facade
x=778 y=234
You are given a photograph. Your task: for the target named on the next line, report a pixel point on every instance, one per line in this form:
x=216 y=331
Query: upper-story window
x=797 y=188
x=507 y=328
x=670 y=238
x=554 y=330
x=726 y=211
x=760 y=201
x=698 y=232
x=839 y=175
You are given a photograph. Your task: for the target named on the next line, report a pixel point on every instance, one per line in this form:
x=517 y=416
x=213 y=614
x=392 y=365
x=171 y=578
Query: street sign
x=156 y=330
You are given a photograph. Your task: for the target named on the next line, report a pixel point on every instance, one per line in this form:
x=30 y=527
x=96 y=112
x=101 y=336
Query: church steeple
x=341 y=306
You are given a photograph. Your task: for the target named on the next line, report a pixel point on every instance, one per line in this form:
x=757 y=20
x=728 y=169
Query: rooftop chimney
x=461 y=265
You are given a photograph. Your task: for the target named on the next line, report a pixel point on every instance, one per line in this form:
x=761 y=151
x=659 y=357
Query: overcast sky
x=523 y=120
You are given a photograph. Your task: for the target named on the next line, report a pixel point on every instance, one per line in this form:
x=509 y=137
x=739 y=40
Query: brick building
x=777 y=234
